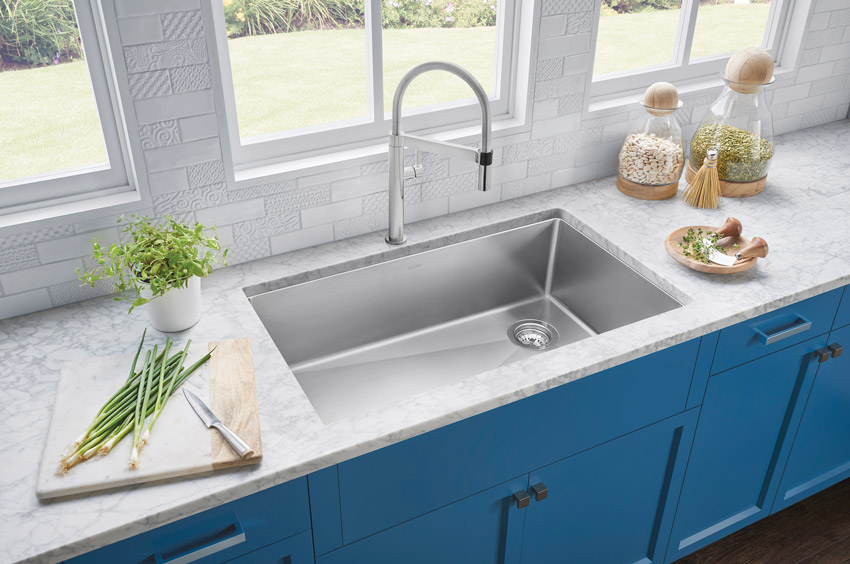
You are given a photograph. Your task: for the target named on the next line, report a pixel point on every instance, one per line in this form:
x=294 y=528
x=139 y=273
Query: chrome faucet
x=399 y=140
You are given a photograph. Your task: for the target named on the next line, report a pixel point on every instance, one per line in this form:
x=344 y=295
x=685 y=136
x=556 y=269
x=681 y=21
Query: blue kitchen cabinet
x=820 y=455
x=612 y=504
x=297 y=549
x=842 y=318
x=484 y=528
x=220 y=534
x=740 y=445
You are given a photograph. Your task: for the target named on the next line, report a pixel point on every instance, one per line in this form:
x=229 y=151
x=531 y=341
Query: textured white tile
x=426 y=209
x=27 y=302
x=166 y=55
x=331 y=212
x=331 y=176
x=232 y=213
x=359 y=186
x=75 y=245
x=836 y=98
x=551 y=26
x=827 y=85
x=141 y=29
x=814 y=72
x=596 y=153
x=545 y=109
x=791 y=93
x=198 y=127
x=555 y=126
x=175 y=106
x=575 y=175
x=508 y=172
x=803 y=106
x=302 y=239
x=474 y=199
x=826 y=5
x=166 y=181
x=183 y=154
x=819 y=21
x=563 y=46
x=785 y=125
x=124 y=8
x=835 y=52
x=577 y=64
x=40 y=276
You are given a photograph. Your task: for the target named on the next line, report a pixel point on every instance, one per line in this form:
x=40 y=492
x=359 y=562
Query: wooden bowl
x=675 y=251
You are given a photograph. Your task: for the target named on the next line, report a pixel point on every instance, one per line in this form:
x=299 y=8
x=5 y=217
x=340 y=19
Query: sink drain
x=533 y=334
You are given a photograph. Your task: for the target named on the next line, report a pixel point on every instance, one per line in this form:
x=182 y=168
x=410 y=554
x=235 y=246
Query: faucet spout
x=398 y=141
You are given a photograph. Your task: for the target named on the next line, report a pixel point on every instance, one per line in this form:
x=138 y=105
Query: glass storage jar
x=653 y=155
x=739 y=126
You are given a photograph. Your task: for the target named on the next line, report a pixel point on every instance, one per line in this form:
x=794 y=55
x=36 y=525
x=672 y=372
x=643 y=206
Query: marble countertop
x=804 y=214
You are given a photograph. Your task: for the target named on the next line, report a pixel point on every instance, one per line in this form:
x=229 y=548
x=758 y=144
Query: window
x=323 y=78
x=643 y=41
x=60 y=140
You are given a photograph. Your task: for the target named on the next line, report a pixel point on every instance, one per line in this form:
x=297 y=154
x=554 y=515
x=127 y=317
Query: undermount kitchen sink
x=378 y=334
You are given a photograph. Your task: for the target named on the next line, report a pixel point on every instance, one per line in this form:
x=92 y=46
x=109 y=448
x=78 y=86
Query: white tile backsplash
x=166 y=51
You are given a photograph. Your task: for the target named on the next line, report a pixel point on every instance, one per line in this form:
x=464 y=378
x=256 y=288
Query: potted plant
x=161 y=263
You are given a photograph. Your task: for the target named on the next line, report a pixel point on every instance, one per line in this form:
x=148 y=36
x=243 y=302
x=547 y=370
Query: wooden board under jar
x=731 y=189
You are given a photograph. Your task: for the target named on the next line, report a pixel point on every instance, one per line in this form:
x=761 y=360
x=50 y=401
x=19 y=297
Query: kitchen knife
x=755 y=248
x=716 y=256
x=242 y=448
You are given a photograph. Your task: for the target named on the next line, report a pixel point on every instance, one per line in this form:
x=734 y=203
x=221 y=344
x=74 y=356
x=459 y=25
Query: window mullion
x=375 y=63
x=685 y=33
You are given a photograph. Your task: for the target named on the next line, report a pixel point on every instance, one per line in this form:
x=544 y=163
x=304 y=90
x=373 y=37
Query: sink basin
x=368 y=337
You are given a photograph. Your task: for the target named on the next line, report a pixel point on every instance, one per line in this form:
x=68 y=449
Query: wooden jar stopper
x=756 y=248
x=749 y=69
x=661 y=99
x=732 y=228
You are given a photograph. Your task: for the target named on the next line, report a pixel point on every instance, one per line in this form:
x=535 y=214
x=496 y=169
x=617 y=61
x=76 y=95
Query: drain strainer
x=533 y=334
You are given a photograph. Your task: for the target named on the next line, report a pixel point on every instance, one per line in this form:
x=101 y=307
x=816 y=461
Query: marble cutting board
x=180 y=444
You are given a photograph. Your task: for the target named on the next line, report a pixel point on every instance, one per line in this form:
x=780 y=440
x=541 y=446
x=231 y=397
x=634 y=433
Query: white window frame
x=682 y=69
x=63 y=187
x=307 y=142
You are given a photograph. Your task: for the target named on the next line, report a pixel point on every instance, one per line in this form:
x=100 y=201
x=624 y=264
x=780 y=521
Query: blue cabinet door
x=820 y=455
x=612 y=504
x=485 y=528
x=740 y=445
x=297 y=549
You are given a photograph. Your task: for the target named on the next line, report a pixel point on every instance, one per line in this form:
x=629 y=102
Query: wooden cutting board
x=180 y=444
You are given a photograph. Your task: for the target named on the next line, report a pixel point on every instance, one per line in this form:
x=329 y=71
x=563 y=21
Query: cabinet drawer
x=410 y=478
x=216 y=535
x=294 y=550
x=843 y=317
x=775 y=331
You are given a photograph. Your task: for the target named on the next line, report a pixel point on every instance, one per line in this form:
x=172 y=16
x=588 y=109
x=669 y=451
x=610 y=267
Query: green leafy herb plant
x=159 y=255
x=699 y=244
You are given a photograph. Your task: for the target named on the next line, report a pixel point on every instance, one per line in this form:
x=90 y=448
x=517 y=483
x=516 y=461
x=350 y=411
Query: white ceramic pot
x=177 y=309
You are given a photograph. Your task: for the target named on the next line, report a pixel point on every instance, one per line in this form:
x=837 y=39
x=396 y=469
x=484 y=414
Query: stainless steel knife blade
x=718 y=257
x=209 y=419
x=204 y=413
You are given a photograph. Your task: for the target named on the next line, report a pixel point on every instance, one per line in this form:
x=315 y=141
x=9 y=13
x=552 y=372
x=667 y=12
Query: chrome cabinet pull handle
x=802 y=324
x=238 y=537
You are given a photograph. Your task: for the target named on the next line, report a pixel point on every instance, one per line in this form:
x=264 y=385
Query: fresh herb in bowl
x=698 y=244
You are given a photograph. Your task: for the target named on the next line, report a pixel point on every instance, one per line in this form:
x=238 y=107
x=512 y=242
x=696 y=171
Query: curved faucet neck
x=456 y=70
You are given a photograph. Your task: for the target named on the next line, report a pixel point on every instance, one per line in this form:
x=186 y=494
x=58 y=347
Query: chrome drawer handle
x=802 y=324
x=238 y=537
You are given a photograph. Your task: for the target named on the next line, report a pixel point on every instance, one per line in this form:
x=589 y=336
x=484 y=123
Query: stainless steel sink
x=368 y=337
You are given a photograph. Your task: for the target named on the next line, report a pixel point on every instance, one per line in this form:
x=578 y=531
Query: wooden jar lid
x=661 y=99
x=749 y=69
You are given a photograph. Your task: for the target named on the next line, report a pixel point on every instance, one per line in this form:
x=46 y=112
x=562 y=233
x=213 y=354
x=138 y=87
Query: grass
x=317 y=77
x=632 y=41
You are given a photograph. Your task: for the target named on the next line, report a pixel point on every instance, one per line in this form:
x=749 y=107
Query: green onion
x=129 y=407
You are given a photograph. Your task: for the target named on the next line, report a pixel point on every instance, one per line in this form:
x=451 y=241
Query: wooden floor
x=813 y=531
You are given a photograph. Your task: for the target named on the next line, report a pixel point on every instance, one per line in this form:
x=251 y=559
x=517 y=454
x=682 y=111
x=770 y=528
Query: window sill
x=265 y=174
x=80 y=210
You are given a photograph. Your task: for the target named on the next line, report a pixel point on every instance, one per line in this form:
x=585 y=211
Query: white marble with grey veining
x=804 y=214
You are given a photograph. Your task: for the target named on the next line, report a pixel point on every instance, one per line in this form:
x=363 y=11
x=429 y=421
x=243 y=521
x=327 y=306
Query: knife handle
x=732 y=228
x=242 y=448
x=756 y=248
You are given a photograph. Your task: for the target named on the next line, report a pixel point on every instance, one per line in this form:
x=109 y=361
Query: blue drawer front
x=781 y=328
x=843 y=317
x=410 y=478
x=222 y=533
x=294 y=550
